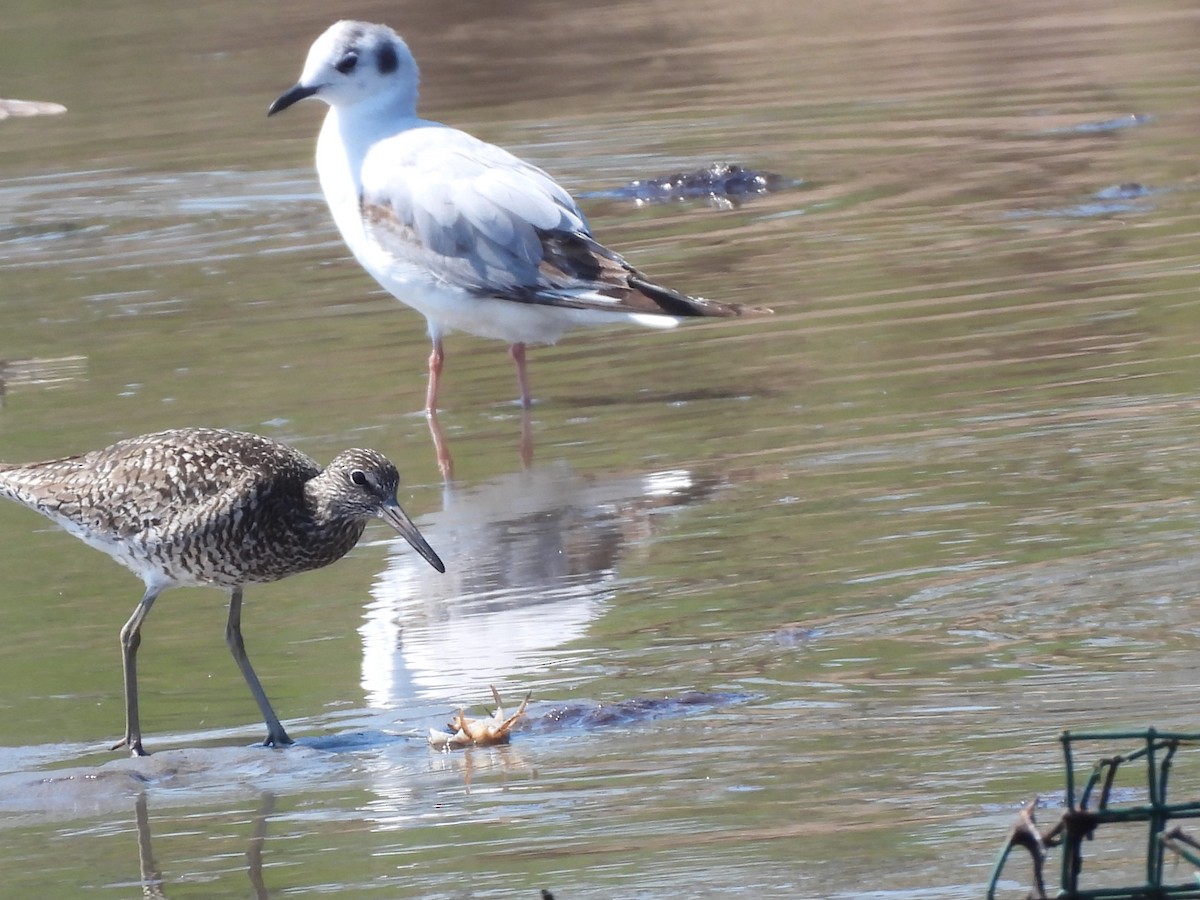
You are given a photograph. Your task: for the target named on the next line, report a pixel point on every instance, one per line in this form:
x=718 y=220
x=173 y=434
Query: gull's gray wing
x=467 y=211
x=482 y=220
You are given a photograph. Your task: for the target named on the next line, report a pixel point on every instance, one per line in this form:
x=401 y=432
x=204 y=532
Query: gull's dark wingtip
x=673 y=303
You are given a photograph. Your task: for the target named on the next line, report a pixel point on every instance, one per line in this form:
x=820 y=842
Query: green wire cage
x=1097 y=806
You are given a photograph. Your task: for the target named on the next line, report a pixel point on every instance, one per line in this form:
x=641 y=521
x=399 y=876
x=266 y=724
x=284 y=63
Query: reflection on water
x=535 y=556
x=153 y=883
x=445 y=459
x=40 y=372
x=25 y=108
x=120 y=218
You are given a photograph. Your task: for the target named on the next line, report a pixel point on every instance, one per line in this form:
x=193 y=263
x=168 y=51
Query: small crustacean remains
x=464 y=732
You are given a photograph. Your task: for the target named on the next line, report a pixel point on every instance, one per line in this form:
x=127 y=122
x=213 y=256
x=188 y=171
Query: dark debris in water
x=627 y=712
x=1129 y=190
x=44 y=231
x=794 y=635
x=1114 y=200
x=723 y=184
x=1104 y=126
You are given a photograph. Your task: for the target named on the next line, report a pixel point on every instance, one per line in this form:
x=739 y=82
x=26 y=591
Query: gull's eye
x=359 y=477
x=346 y=64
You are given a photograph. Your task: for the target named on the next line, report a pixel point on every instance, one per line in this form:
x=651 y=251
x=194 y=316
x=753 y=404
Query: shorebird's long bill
x=292 y=95
x=398 y=519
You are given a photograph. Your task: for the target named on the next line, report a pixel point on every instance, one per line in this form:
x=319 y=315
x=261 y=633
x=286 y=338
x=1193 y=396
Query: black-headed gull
x=464 y=232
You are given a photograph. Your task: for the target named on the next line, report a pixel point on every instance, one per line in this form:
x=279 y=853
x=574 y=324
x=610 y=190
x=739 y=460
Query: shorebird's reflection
x=534 y=559
x=152 y=880
x=442 y=449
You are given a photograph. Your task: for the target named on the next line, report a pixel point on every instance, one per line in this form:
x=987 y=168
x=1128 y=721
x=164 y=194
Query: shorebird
x=203 y=506
x=464 y=232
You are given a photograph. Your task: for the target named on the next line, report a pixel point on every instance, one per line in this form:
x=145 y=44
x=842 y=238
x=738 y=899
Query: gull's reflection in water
x=441 y=448
x=532 y=558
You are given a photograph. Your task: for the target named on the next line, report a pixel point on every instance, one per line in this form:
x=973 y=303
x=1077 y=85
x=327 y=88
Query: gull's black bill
x=287 y=98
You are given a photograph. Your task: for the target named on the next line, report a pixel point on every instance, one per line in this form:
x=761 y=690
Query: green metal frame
x=1079 y=822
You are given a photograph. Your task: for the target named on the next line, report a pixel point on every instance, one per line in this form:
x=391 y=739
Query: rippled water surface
x=802 y=602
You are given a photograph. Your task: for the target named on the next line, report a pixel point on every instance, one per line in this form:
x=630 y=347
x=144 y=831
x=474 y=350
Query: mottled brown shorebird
x=202 y=506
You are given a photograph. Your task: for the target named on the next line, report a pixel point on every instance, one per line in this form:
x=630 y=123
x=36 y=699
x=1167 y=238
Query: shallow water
x=936 y=509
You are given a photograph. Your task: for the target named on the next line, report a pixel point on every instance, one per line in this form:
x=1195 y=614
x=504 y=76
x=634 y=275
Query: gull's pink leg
x=517 y=352
x=436 y=358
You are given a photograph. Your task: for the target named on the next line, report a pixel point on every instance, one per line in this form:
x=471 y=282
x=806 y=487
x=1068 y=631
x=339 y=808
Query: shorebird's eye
x=346 y=64
x=359 y=477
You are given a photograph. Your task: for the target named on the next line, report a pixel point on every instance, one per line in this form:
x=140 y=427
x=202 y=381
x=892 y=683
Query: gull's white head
x=357 y=63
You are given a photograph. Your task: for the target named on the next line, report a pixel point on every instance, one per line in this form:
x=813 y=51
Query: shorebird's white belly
x=145 y=559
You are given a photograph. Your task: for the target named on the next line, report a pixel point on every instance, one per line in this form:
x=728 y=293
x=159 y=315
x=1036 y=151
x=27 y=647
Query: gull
x=466 y=233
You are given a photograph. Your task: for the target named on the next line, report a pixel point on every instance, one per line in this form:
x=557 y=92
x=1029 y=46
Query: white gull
x=461 y=230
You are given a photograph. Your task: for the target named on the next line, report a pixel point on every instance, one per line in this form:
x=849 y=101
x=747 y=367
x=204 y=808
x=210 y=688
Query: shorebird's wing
x=480 y=219
x=194 y=479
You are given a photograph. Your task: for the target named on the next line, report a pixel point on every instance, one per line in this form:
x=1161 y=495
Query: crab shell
x=466 y=732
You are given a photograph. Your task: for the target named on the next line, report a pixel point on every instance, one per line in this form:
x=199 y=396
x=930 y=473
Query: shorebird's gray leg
x=276 y=736
x=131 y=637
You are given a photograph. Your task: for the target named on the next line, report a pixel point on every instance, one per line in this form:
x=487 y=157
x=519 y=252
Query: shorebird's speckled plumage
x=202 y=506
